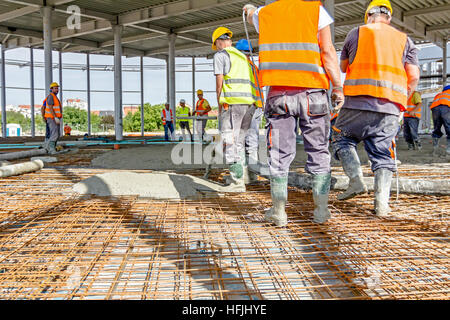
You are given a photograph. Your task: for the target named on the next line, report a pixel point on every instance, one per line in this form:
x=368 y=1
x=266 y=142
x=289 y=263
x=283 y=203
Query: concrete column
x=118 y=117
x=444 y=61
x=47 y=22
x=88 y=81
x=3 y=94
x=142 y=97
x=329 y=6
x=172 y=89
x=33 y=120
x=61 y=96
x=167 y=79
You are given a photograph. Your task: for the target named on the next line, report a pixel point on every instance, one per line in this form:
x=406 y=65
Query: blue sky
x=154 y=80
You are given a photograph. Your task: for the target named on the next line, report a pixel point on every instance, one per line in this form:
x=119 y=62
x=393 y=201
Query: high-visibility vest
x=56 y=107
x=184 y=112
x=378 y=68
x=441 y=99
x=289 y=52
x=238 y=84
x=410 y=107
x=165 y=116
x=257 y=90
x=67 y=129
x=200 y=106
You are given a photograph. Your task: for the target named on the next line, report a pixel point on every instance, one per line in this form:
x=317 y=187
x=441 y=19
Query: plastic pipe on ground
x=22 y=154
x=21 y=168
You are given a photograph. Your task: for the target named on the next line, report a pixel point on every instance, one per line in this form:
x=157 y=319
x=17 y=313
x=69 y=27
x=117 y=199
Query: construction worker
x=382 y=72
x=53 y=117
x=297 y=60
x=252 y=138
x=411 y=121
x=67 y=130
x=167 y=121
x=184 y=124
x=440 y=109
x=235 y=90
x=201 y=109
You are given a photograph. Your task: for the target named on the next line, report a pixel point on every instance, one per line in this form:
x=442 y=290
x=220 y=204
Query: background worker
x=440 y=109
x=67 y=130
x=236 y=95
x=382 y=72
x=53 y=116
x=252 y=138
x=184 y=111
x=167 y=121
x=297 y=60
x=411 y=121
x=202 y=108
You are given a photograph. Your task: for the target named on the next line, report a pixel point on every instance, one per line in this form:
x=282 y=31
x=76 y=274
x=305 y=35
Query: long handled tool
x=395 y=158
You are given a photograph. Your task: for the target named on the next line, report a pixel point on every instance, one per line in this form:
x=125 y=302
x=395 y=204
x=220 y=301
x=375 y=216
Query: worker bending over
x=440 y=109
x=167 y=121
x=235 y=89
x=53 y=117
x=382 y=72
x=184 y=124
x=202 y=108
x=411 y=121
x=252 y=137
x=67 y=130
x=297 y=60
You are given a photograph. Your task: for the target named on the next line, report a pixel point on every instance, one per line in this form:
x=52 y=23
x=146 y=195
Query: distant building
x=103 y=113
x=76 y=103
x=128 y=109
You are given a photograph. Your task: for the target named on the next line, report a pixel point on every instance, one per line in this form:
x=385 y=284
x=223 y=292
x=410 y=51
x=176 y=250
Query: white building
x=76 y=103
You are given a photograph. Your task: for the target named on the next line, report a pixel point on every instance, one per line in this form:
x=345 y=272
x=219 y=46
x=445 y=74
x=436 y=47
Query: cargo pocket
x=276 y=106
x=317 y=103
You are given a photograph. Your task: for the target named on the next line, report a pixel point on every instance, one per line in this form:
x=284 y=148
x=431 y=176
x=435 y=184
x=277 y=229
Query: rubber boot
x=249 y=176
x=320 y=190
x=382 y=189
x=436 y=146
x=278 y=191
x=417 y=145
x=411 y=146
x=51 y=147
x=352 y=168
x=235 y=181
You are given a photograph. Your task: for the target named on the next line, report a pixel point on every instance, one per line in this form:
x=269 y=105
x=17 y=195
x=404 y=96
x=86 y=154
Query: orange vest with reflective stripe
x=441 y=99
x=199 y=106
x=165 y=116
x=67 y=129
x=289 y=52
x=378 y=69
x=410 y=107
x=56 y=107
x=258 y=93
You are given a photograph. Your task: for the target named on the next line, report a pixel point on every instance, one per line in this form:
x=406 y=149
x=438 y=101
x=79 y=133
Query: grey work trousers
x=236 y=121
x=200 y=126
x=282 y=112
x=252 y=138
x=55 y=130
x=377 y=130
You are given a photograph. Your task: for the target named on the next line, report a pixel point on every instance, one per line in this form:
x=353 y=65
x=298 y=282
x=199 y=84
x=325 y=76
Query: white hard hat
x=182 y=101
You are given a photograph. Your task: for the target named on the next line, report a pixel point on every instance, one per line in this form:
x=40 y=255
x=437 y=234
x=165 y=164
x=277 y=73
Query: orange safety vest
x=289 y=52
x=199 y=106
x=258 y=93
x=410 y=107
x=56 y=107
x=67 y=129
x=441 y=99
x=164 y=116
x=378 y=69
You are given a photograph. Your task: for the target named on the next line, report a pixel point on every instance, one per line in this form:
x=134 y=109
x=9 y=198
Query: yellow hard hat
x=378 y=3
x=54 y=84
x=199 y=91
x=220 y=31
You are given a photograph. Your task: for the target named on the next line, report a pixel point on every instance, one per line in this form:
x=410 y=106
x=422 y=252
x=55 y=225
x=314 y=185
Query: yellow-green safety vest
x=184 y=112
x=239 y=84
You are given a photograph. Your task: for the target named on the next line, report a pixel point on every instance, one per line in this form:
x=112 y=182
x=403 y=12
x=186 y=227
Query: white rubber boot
x=321 y=190
x=277 y=214
x=382 y=189
x=235 y=181
x=352 y=168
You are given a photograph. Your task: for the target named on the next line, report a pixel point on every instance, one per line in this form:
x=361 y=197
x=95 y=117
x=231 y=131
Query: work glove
x=248 y=8
x=57 y=121
x=337 y=99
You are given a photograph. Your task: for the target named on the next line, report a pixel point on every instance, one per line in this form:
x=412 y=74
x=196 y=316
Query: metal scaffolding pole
x=2 y=72
x=172 y=90
x=118 y=118
x=167 y=80
x=61 y=97
x=88 y=79
x=142 y=97
x=329 y=6
x=193 y=94
x=33 y=120
x=444 y=61
x=47 y=24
